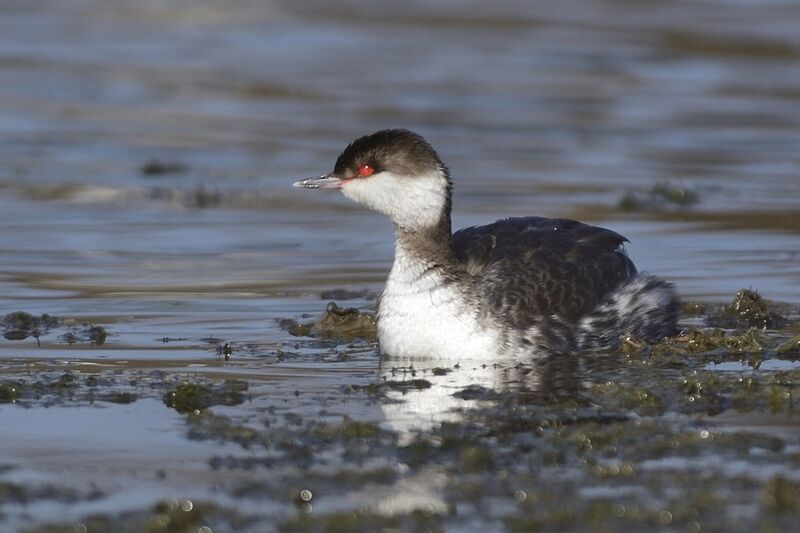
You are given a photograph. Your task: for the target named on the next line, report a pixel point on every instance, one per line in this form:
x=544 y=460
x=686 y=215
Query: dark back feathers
x=532 y=266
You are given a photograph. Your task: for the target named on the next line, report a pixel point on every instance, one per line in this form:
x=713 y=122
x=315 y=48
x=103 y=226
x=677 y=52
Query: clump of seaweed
x=192 y=397
x=347 y=430
x=85 y=332
x=693 y=308
x=9 y=391
x=790 y=347
x=20 y=325
x=345 y=323
x=781 y=495
x=169 y=516
x=207 y=425
x=748 y=310
x=661 y=197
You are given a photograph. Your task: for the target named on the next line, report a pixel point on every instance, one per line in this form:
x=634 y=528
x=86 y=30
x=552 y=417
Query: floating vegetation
x=362 y=522
x=790 y=347
x=169 y=516
x=194 y=397
x=85 y=332
x=337 y=323
x=15 y=493
x=118 y=397
x=693 y=308
x=206 y=425
x=660 y=197
x=635 y=439
x=9 y=391
x=348 y=429
x=748 y=310
x=781 y=495
x=21 y=325
x=97 y=334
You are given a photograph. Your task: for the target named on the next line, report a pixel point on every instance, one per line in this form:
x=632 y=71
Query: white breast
x=420 y=317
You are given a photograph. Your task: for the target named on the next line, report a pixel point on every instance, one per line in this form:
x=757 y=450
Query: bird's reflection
x=423 y=393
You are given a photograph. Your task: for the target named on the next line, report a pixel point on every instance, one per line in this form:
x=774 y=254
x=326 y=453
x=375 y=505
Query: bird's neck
x=420 y=249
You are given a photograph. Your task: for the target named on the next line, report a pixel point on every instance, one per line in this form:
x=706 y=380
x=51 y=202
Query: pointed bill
x=329 y=181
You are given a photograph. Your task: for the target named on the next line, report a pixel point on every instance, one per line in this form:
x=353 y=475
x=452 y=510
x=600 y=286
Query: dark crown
x=399 y=151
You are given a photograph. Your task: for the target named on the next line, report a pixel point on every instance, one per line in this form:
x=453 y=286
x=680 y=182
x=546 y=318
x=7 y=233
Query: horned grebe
x=516 y=287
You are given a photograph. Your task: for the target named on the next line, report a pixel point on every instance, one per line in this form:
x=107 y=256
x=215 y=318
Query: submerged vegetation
x=663 y=196
x=194 y=397
x=695 y=432
x=20 y=325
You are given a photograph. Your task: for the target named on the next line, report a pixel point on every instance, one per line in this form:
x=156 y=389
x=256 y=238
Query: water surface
x=538 y=108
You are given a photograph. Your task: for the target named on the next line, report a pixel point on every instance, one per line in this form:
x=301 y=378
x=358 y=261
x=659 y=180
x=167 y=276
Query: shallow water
x=538 y=108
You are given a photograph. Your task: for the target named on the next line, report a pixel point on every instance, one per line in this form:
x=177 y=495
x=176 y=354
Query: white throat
x=410 y=202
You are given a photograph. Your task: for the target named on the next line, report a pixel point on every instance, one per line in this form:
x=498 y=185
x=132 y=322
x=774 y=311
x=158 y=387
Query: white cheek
x=408 y=201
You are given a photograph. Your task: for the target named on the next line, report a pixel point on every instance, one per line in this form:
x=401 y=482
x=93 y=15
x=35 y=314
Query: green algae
x=66 y=388
x=96 y=334
x=749 y=310
x=169 y=516
x=206 y=425
x=337 y=323
x=179 y=516
x=693 y=308
x=475 y=459
x=348 y=429
x=118 y=397
x=362 y=522
x=662 y=196
x=15 y=493
x=192 y=397
x=790 y=347
x=21 y=325
x=781 y=495
x=65 y=381
x=641 y=442
x=715 y=344
x=9 y=391
x=618 y=396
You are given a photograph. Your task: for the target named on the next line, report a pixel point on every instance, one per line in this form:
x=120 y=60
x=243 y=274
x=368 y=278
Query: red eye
x=365 y=171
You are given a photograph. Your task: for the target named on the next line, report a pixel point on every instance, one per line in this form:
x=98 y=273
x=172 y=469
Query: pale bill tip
x=327 y=181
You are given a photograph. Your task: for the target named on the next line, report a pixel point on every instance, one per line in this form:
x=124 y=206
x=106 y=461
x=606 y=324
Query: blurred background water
x=147 y=148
